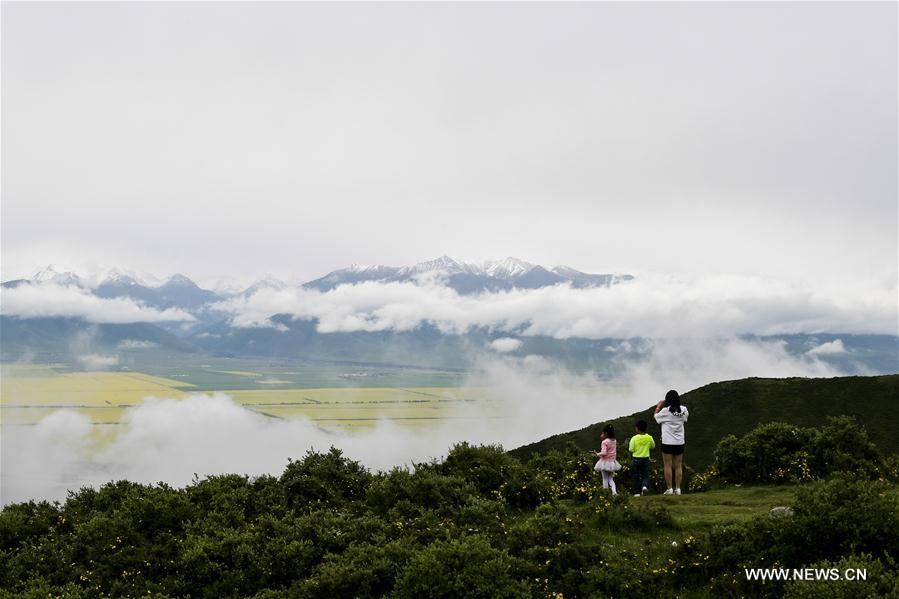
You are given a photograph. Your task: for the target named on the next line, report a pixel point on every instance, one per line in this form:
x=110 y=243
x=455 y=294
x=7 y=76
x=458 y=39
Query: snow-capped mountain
x=49 y=275
x=177 y=292
x=181 y=292
x=267 y=283
x=467 y=277
x=508 y=268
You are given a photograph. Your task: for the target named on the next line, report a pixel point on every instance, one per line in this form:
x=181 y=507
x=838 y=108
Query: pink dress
x=608 y=451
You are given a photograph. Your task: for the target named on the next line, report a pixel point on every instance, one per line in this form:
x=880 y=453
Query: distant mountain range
x=465 y=278
x=212 y=331
x=55 y=338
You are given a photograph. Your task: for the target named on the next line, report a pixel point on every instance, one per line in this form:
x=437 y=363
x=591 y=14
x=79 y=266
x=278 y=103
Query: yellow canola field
x=354 y=407
x=100 y=395
x=106 y=396
x=87 y=388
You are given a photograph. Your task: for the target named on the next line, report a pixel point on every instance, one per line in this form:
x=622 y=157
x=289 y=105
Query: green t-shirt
x=640 y=445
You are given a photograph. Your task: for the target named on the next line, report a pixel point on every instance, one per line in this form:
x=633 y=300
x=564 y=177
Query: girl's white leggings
x=608 y=482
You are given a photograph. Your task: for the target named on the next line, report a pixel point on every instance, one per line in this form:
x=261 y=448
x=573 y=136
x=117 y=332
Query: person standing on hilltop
x=608 y=465
x=672 y=416
x=639 y=447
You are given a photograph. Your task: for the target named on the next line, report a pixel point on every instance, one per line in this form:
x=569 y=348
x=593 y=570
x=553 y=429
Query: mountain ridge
x=738 y=406
x=469 y=277
x=180 y=291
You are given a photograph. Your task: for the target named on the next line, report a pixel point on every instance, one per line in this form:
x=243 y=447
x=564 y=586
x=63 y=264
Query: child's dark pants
x=640 y=474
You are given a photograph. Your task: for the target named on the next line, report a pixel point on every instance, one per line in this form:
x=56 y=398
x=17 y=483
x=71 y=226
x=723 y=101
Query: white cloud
x=829 y=348
x=650 y=306
x=505 y=344
x=50 y=300
x=97 y=361
x=530 y=399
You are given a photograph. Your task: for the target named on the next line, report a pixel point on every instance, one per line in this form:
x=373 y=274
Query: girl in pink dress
x=608 y=465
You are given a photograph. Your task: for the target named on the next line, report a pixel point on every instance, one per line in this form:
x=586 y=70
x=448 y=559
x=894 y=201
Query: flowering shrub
x=831 y=519
x=882 y=580
x=483 y=526
x=782 y=453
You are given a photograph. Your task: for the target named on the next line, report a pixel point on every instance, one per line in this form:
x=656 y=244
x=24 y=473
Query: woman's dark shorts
x=673 y=449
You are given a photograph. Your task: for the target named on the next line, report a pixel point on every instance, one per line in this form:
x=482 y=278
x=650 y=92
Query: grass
x=700 y=511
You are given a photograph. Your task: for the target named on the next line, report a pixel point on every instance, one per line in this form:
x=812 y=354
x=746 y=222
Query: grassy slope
x=739 y=406
x=694 y=514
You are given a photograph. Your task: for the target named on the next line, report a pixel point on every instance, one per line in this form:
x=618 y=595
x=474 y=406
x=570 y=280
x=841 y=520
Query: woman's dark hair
x=672 y=400
x=609 y=430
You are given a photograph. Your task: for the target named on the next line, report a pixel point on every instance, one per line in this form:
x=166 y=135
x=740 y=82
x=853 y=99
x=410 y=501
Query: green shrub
x=464 y=567
x=361 y=571
x=781 y=453
x=831 y=519
x=882 y=580
x=770 y=453
x=526 y=487
x=21 y=522
x=569 y=473
x=424 y=487
x=231 y=500
x=842 y=445
x=484 y=466
x=324 y=479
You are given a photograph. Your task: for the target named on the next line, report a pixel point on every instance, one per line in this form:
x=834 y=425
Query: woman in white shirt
x=672 y=416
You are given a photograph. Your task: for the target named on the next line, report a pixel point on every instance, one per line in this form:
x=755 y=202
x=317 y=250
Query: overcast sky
x=237 y=139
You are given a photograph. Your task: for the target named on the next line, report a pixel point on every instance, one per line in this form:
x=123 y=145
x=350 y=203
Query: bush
x=24 y=521
x=882 y=580
x=770 y=453
x=484 y=466
x=569 y=473
x=464 y=567
x=324 y=479
x=424 y=487
x=844 y=515
x=526 y=488
x=832 y=519
x=362 y=570
x=781 y=453
x=842 y=445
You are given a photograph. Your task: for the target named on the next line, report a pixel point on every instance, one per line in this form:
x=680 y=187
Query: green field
x=29 y=393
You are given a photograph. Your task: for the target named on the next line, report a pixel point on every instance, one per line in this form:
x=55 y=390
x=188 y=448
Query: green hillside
x=739 y=406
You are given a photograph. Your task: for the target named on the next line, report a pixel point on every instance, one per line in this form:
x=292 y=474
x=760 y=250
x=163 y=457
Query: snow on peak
x=45 y=274
x=181 y=280
x=365 y=268
x=566 y=271
x=443 y=264
x=51 y=275
x=264 y=283
x=507 y=268
x=118 y=276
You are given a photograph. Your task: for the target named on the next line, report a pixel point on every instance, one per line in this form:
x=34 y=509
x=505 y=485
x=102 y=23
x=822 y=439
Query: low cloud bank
x=654 y=307
x=830 y=348
x=505 y=344
x=97 y=361
x=530 y=398
x=46 y=300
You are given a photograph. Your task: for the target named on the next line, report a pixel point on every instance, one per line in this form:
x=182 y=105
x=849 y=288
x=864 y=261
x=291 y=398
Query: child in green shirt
x=639 y=447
